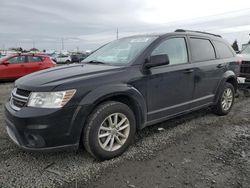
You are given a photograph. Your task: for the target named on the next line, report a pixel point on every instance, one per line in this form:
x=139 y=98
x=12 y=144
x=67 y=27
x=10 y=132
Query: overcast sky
x=89 y=24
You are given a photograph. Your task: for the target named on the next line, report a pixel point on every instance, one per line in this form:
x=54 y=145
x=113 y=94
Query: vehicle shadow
x=172 y=123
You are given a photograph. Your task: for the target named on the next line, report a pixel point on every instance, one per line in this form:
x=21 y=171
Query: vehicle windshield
x=4 y=58
x=246 y=50
x=119 y=52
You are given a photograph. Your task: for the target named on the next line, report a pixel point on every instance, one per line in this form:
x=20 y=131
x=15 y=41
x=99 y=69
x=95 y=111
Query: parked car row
x=66 y=59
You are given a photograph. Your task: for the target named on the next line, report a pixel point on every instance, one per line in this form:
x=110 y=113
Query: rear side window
x=223 y=50
x=175 y=48
x=34 y=59
x=201 y=49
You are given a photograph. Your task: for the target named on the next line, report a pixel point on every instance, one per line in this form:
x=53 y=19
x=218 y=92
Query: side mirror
x=5 y=63
x=157 y=60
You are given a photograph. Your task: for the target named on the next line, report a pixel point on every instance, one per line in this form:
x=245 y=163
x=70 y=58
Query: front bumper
x=37 y=129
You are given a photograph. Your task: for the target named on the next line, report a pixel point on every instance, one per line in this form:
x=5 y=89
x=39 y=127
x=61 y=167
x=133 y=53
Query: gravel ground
x=196 y=150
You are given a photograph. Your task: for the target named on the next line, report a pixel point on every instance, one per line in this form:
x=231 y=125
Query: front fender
x=104 y=92
x=228 y=74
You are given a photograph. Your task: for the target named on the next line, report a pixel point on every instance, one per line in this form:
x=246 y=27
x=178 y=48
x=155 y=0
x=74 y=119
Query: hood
x=50 y=78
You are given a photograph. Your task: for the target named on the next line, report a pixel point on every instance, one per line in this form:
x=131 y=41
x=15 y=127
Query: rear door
x=228 y=56
x=208 y=68
x=34 y=64
x=15 y=68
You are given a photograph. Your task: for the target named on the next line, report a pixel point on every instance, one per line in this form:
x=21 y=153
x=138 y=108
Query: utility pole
x=33 y=41
x=62 y=44
x=117 y=34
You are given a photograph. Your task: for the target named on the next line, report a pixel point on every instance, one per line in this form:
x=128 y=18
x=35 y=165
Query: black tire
x=91 y=131
x=68 y=62
x=218 y=108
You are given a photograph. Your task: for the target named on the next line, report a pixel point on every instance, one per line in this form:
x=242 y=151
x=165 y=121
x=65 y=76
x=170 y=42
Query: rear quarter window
x=223 y=50
x=201 y=49
x=34 y=59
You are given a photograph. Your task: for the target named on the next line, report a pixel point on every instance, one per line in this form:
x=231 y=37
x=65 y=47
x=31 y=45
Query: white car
x=63 y=58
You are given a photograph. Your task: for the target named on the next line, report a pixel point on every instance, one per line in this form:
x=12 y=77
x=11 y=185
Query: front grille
x=22 y=92
x=19 y=98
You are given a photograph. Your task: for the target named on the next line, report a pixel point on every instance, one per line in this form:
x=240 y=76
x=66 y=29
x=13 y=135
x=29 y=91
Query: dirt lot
x=196 y=150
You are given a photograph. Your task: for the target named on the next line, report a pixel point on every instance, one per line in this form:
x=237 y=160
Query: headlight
x=50 y=99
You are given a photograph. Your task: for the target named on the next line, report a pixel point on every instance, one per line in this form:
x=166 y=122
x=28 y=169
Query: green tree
x=235 y=46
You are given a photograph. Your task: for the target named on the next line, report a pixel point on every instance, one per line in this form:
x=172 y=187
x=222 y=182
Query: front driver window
x=17 y=59
x=175 y=48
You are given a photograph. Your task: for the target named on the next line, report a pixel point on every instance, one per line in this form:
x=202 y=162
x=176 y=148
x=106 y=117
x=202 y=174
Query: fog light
x=35 y=140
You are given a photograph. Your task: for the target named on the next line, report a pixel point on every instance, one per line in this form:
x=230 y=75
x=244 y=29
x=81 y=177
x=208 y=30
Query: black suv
x=122 y=87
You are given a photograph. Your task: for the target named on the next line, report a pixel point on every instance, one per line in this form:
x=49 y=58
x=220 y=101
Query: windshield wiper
x=94 y=62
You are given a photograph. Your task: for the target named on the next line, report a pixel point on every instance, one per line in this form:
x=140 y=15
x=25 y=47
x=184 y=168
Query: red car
x=16 y=66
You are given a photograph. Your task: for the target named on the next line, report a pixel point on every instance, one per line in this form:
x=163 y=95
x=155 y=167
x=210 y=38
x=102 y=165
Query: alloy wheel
x=227 y=99
x=113 y=132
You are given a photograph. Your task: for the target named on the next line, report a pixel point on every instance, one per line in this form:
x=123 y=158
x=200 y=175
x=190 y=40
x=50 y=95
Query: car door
x=14 y=69
x=170 y=87
x=208 y=70
x=60 y=58
x=34 y=64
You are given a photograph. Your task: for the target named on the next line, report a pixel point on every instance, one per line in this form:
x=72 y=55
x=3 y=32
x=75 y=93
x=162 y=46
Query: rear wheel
x=226 y=100
x=110 y=130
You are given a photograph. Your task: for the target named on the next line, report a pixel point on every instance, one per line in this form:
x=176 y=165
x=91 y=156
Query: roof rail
x=184 y=30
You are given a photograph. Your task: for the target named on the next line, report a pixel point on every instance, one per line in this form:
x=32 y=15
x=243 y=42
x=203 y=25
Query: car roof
x=27 y=54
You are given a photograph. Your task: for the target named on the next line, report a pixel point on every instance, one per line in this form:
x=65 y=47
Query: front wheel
x=68 y=62
x=226 y=100
x=109 y=130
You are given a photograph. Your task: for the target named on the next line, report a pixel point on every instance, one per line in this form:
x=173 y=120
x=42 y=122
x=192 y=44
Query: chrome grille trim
x=18 y=98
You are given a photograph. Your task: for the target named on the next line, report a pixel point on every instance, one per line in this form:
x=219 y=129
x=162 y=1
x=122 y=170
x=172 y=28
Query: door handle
x=188 y=71
x=219 y=66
